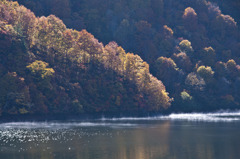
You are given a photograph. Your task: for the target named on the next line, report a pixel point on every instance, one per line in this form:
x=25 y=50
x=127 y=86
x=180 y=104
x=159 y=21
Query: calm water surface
x=177 y=136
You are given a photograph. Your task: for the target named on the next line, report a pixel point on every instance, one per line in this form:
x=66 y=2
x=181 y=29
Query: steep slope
x=47 y=68
x=190 y=45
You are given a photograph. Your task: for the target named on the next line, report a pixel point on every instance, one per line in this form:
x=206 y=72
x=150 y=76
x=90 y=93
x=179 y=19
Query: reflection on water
x=207 y=117
x=164 y=137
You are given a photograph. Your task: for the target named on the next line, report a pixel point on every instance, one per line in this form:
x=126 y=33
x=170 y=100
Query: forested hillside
x=47 y=68
x=190 y=45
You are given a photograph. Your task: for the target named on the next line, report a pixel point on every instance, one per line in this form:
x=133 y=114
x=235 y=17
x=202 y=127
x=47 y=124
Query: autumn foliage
x=69 y=71
x=191 y=46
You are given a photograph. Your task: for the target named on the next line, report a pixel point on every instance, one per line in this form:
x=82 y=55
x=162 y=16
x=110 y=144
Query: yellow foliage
x=189 y=11
x=167 y=30
x=39 y=68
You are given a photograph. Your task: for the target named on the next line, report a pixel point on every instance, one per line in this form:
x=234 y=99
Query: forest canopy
x=149 y=47
x=47 y=68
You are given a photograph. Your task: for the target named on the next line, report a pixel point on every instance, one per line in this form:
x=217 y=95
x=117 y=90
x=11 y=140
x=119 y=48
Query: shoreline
x=94 y=116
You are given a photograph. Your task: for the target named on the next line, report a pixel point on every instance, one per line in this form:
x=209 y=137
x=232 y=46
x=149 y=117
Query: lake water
x=176 y=136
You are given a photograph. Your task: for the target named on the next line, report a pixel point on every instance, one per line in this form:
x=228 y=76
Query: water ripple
x=61 y=125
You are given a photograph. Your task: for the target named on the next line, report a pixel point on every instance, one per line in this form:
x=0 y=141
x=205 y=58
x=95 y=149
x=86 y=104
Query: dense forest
x=191 y=49
x=47 y=68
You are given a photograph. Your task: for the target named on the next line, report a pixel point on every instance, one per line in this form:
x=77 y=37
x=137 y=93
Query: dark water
x=177 y=136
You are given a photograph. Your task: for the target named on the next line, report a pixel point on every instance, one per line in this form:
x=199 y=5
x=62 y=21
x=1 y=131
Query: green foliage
x=185 y=96
x=206 y=73
x=185 y=46
x=186 y=102
x=40 y=70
